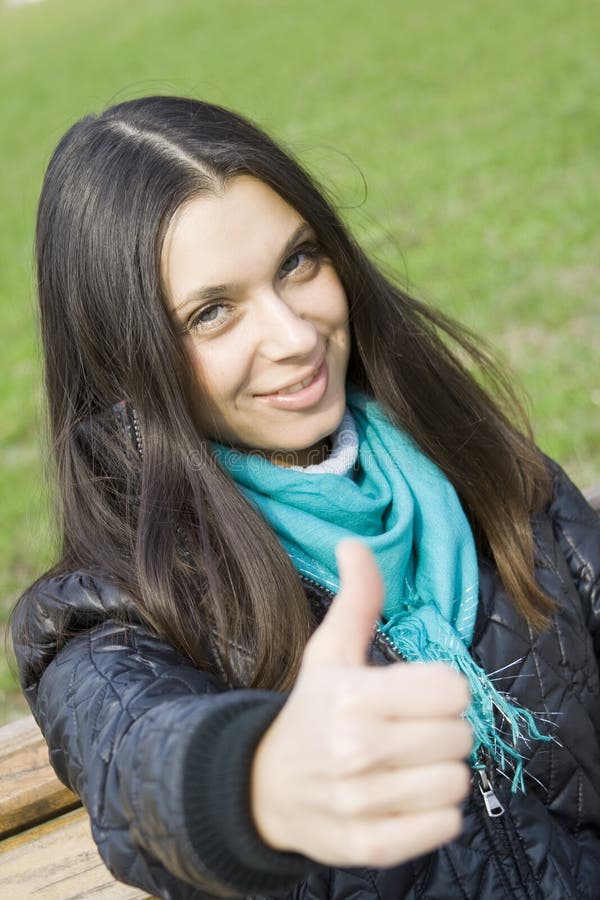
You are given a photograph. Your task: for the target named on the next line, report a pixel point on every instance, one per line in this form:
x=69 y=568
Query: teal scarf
x=407 y=512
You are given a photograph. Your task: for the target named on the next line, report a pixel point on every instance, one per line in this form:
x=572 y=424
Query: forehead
x=233 y=237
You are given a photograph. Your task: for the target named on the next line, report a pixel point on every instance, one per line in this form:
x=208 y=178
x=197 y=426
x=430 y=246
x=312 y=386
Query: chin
x=305 y=438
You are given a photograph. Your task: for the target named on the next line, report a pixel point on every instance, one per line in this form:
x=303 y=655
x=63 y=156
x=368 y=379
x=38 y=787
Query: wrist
x=216 y=796
x=266 y=794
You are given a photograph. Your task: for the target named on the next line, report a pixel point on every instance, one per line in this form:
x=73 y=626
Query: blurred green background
x=476 y=127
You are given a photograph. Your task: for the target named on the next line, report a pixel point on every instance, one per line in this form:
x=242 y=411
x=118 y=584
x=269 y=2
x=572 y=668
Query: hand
x=364 y=765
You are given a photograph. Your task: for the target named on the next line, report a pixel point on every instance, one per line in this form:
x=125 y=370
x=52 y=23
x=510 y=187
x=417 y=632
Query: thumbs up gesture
x=364 y=765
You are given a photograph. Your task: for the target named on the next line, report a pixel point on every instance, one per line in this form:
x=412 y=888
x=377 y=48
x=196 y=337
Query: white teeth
x=298 y=387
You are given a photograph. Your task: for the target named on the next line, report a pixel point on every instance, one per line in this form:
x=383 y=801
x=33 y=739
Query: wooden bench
x=46 y=847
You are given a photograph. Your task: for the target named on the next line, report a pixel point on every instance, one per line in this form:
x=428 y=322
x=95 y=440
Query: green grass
x=475 y=126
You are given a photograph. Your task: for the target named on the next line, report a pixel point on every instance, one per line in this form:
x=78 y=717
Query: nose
x=282 y=331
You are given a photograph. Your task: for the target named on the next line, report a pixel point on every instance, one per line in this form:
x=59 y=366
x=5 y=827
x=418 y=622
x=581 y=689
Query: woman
x=234 y=390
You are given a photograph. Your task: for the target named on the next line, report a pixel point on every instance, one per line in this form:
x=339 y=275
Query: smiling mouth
x=301 y=395
x=299 y=385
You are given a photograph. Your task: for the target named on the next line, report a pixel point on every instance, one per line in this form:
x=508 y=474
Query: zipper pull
x=492 y=804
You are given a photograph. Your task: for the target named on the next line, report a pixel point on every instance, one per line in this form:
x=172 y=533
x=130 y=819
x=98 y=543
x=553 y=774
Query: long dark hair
x=193 y=558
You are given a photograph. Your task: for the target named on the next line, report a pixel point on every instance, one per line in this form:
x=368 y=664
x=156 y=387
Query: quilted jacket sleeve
x=577 y=530
x=160 y=755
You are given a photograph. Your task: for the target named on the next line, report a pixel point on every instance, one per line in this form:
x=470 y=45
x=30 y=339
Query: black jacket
x=159 y=752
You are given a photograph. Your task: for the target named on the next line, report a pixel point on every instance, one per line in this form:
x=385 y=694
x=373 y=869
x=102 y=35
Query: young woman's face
x=264 y=318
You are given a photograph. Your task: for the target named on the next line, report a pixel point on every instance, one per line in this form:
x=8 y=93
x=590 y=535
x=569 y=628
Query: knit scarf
x=406 y=511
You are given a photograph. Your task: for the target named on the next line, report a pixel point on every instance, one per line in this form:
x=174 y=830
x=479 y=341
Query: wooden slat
x=59 y=861
x=30 y=792
x=18 y=735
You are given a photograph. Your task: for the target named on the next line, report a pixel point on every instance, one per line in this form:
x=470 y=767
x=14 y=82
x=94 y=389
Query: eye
x=208 y=317
x=302 y=260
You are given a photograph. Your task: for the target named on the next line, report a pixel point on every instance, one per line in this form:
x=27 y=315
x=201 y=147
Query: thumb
x=345 y=636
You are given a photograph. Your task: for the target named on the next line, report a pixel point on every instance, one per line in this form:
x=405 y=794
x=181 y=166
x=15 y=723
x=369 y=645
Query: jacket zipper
x=380 y=637
x=492 y=805
x=502 y=829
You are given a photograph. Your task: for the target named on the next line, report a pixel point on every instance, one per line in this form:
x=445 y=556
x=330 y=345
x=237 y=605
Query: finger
x=357 y=748
x=410 y=691
x=401 y=791
x=416 y=741
x=384 y=842
x=344 y=637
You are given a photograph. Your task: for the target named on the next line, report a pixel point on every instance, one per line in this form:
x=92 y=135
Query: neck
x=309 y=456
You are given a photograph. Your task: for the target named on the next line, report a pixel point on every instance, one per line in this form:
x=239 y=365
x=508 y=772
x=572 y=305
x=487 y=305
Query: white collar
x=344 y=451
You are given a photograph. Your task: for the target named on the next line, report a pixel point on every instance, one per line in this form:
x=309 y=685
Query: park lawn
x=476 y=129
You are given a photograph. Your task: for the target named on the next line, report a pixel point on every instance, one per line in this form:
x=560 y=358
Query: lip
x=284 y=387
x=303 y=399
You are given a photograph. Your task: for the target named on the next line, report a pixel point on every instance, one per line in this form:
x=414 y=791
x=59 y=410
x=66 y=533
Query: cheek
x=329 y=297
x=339 y=314
x=218 y=374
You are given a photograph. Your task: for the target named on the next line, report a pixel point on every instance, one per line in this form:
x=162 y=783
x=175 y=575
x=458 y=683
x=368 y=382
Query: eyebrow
x=216 y=291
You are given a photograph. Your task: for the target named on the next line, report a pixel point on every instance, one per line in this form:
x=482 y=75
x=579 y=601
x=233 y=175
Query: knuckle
x=463 y=693
x=361 y=844
x=348 y=800
x=453 y=824
x=349 y=749
x=457 y=687
x=370 y=845
x=348 y=755
x=465 y=738
x=383 y=853
x=459 y=781
x=466 y=780
x=348 y=702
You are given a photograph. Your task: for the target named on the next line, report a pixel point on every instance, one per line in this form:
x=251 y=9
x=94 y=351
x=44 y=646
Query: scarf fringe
x=487 y=703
